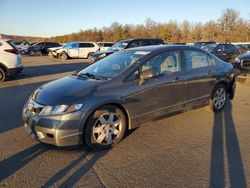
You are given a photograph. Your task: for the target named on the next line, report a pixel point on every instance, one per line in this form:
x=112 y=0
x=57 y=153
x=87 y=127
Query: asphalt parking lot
x=193 y=149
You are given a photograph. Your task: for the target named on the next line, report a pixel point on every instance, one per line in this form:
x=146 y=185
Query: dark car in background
x=125 y=44
x=225 y=51
x=201 y=44
x=242 y=63
x=120 y=92
x=243 y=48
x=41 y=48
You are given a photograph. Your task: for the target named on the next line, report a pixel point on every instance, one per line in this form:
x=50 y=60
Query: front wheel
x=63 y=56
x=218 y=98
x=105 y=128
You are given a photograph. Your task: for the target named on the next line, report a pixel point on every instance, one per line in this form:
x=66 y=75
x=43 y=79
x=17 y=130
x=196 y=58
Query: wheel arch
x=113 y=103
x=4 y=67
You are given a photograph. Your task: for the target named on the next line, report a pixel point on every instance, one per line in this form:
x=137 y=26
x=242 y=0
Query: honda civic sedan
x=98 y=104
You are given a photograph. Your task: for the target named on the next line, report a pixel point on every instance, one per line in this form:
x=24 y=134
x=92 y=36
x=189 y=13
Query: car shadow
x=17 y=161
x=14 y=163
x=225 y=137
x=82 y=170
x=43 y=70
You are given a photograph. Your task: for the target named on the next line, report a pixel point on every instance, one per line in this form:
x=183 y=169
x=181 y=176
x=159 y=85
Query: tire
x=2 y=75
x=88 y=57
x=100 y=133
x=218 y=98
x=63 y=56
x=31 y=53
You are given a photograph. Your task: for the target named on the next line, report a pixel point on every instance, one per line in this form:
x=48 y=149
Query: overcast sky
x=57 y=17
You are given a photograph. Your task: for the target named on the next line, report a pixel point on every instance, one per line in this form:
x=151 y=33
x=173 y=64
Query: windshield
x=209 y=47
x=119 y=46
x=112 y=65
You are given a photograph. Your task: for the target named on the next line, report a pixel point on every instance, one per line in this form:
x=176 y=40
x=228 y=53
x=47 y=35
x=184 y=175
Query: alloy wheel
x=107 y=128
x=220 y=98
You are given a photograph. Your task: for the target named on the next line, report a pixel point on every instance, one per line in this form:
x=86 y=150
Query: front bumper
x=59 y=130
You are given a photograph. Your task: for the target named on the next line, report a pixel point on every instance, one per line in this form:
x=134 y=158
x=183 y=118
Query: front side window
x=164 y=63
x=196 y=59
x=134 y=44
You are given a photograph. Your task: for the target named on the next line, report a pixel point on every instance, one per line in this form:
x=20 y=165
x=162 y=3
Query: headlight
x=102 y=56
x=60 y=109
x=237 y=60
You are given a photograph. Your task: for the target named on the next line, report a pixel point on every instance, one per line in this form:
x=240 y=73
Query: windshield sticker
x=142 y=52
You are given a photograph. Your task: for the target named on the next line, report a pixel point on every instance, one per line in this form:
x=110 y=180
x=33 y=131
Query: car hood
x=103 y=52
x=67 y=90
x=245 y=56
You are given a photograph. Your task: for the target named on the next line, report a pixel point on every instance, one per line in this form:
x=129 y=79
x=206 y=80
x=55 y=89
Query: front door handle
x=177 y=79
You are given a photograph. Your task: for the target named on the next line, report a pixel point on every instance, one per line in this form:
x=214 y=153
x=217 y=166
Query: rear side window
x=86 y=45
x=196 y=59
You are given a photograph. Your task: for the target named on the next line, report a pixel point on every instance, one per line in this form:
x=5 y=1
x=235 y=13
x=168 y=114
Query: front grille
x=246 y=64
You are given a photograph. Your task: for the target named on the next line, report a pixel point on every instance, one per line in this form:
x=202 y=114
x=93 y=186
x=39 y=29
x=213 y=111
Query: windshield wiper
x=91 y=76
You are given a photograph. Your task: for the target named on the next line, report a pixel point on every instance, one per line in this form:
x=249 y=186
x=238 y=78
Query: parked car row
x=124 y=44
x=225 y=51
x=97 y=51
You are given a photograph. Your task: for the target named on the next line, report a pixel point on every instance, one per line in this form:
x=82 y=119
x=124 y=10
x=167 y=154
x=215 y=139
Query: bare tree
x=228 y=21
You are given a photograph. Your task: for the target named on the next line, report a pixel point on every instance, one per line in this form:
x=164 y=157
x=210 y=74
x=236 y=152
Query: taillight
x=14 y=51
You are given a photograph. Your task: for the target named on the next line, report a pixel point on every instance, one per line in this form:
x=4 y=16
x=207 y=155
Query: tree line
x=229 y=27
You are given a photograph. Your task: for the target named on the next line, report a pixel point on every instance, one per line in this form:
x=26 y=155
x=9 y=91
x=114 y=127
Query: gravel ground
x=193 y=149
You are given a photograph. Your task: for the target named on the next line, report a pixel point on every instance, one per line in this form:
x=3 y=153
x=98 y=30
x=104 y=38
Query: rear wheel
x=2 y=75
x=105 y=128
x=219 y=98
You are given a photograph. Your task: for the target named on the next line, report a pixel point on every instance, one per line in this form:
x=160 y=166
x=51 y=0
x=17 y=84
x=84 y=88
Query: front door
x=73 y=50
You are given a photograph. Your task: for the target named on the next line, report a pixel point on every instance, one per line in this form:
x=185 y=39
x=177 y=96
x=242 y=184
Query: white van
x=10 y=59
x=76 y=50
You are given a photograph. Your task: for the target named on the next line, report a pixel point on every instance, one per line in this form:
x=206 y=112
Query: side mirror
x=145 y=75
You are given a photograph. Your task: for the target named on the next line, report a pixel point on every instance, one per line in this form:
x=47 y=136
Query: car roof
x=162 y=47
x=82 y=42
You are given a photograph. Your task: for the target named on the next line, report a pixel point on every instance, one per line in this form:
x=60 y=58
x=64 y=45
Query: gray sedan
x=122 y=91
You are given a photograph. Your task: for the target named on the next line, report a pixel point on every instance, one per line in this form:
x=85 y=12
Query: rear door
x=199 y=73
x=85 y=49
